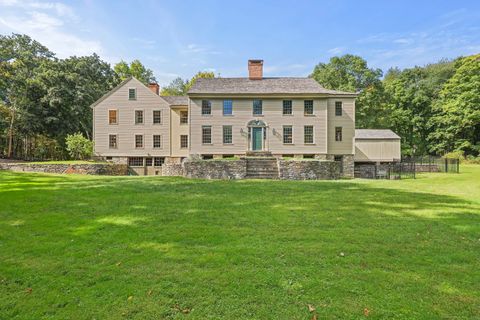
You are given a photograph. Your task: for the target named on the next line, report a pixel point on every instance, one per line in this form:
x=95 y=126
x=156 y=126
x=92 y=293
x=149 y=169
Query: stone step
x=258 y=153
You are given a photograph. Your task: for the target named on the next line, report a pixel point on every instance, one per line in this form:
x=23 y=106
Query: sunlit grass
x=90 y=247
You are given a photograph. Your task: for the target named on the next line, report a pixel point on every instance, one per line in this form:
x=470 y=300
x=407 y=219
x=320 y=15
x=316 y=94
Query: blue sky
x=179 y=38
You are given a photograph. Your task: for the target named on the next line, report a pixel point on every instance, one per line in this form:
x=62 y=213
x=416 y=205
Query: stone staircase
x=262 y=167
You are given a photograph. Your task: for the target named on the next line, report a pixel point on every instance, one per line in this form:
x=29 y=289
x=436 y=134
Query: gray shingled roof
x=176 y=100
x=375 y=134
x=263 y=86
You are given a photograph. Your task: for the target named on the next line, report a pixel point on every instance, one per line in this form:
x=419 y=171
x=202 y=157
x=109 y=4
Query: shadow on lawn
x=200 y=233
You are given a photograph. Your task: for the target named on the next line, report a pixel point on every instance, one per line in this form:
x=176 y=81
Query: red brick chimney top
x=255 y=69
x=154 y=87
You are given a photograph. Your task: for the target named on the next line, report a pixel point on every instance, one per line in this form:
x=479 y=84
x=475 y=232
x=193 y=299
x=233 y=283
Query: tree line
x=44 y=99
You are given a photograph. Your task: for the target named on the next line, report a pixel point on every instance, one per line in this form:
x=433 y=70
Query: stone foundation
x=173 y=170
x=348 y=166
x=308 y=170
x=215 y=169
x=106 y=169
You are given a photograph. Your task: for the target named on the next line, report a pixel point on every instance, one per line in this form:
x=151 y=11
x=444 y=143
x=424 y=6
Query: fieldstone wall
x=308 y=170
x=89 y=169
x=348 y=164
x=215 y=169
x=172 y=170
x=369 y=170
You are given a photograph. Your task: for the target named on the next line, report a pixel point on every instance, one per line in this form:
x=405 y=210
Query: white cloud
x=337 y=50
x=199 y=49
x=47 y=23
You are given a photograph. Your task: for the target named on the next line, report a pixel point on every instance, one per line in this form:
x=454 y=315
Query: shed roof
x=375 y=134
x=262 y=86
x=176 y=100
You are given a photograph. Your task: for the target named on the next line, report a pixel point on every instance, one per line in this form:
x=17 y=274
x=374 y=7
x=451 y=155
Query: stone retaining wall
x=308 y=169
x=215 y=169
x=172 y=170
x=89 y=169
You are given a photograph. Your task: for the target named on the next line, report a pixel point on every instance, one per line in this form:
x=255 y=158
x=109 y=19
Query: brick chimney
x=255 y=69
x=154 y=87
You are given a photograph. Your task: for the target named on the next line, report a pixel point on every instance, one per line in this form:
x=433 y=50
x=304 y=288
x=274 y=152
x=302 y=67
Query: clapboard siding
x=381 y=150
x=178 y=129
x=272 y=116
x=346 y=121
x=126 y=129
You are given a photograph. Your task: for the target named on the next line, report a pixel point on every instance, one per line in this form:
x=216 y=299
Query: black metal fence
x=406 y=168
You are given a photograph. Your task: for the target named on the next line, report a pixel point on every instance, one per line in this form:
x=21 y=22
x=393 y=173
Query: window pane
x=135 y=162
x=287 y=134
x=157 y=141
x=308 y=106
x=257 y=107
x=338 y=133
x=158 y=161
x=157 y=116
x=112 y=141
x=287 y=106
x=183 y=117
x=206 y=107
x=206 y=134
x=138 y=116
x=184 y=141
x=148 y=162
x=132 y=94
x=138 y=141
x=227 y=107
x=338 y=108
x=112 y=116
x=308 y=134
x=227 y=134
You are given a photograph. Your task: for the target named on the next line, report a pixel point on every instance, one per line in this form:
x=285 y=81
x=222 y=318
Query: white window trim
x=313 y=108
x=112 y=134
x=223 y=134
x=283 y=133
x=153 y=117
x=188 y=142
x=113 y=124
x=135 y=117
x=211 y=135
x=313 y=134
x=128 y=93
x=341 y=109
x=135 y=141
x=153 y=142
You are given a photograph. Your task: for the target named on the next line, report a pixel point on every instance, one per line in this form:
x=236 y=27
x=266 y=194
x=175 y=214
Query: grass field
x=78 y=247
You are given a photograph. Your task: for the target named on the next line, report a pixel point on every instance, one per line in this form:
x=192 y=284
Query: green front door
x=257 y=138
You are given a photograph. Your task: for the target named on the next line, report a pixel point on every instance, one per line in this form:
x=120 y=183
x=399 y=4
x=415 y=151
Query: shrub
x=79 y=147
x=459 y=154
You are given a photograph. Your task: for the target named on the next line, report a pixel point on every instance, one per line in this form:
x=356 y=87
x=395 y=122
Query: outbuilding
x=377 y=146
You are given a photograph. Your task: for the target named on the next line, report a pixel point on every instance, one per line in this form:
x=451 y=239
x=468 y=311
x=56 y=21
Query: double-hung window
x=157 y=116
x=138 y=141
x=308 y=134
x=227 y=107
x=112 y=116
x=227 y=134
x=257 y=107
x=112 y=141
x=206 y=134
x=183 y=117
x=287 y=134
x=157 y=141
x=338 y=108
x=287 y=107
x=132 y=94
x=206 y=107
x=338 y=133
x=308 y=107
x=138 y=116
x=183 y=141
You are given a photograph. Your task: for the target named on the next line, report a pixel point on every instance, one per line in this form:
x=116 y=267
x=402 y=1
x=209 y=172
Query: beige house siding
x=126 y=129
x=379 y=150
x=272 y=116
x=346 y=121
x=177 y=130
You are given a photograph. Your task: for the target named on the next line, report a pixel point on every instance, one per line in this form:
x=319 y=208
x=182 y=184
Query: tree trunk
x=10 y=135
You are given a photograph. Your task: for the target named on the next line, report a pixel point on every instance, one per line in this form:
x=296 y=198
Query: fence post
x=446 y=165
x=415 y=170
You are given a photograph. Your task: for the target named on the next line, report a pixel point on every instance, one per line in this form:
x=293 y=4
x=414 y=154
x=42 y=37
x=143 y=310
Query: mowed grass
x=78 y=247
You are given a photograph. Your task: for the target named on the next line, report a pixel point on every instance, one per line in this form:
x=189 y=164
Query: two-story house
x=225 y=117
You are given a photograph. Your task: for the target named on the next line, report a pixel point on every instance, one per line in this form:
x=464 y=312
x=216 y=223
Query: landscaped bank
x=85 y=247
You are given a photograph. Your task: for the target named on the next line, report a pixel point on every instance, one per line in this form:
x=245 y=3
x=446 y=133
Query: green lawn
x=78 y=247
